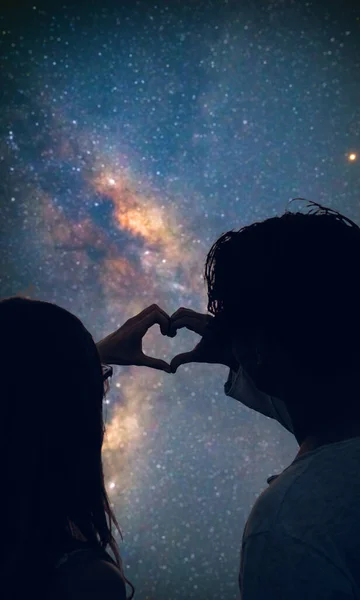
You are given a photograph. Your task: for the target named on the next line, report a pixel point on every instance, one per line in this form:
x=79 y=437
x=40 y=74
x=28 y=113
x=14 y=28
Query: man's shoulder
x=263 y=513
x=272 y=506
x=311 y=492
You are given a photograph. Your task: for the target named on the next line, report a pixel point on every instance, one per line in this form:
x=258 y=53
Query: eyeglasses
x=107 y=372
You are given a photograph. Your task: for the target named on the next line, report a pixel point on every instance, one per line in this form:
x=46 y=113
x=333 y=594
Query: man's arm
x=277 y=566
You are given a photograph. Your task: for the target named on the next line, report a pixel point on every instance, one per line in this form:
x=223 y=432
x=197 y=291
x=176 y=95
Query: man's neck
x=337 y=433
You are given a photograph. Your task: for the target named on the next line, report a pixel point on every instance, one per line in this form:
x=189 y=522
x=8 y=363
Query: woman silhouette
x=57 y=523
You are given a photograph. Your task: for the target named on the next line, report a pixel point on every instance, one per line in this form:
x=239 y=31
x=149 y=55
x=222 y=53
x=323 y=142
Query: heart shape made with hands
x=183 y=319
x=125 y=345
x=168 y=347
x=215 y=345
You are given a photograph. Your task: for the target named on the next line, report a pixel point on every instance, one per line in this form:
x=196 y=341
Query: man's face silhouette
x=264 y=363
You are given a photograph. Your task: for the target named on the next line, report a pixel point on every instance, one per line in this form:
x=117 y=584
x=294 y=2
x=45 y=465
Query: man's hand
x=210 y=349
x=124 y=346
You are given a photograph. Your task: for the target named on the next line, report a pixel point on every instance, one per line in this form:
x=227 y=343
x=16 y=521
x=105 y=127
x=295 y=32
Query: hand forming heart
x=124 y=346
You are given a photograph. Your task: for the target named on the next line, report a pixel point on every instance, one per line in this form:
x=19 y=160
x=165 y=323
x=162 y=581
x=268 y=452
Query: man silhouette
x=285 y=297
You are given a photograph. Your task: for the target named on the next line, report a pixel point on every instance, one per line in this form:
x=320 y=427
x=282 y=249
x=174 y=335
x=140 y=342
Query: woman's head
x=51 y=431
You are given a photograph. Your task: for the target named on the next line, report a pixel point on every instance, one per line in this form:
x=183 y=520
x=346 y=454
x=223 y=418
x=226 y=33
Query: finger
x=141 y=315
x=155 y=315
x=188 y=313
x=181 y=312
x=182 y=359
x=156 y=363
x=192 y=323
x=149 y=309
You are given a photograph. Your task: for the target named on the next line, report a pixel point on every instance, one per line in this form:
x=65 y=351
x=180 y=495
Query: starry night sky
x=131 y=136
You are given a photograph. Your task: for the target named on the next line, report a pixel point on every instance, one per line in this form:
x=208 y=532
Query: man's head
x=287 y=290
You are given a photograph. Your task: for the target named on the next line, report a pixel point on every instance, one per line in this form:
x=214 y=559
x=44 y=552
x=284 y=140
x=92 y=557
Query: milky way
x=130 y=139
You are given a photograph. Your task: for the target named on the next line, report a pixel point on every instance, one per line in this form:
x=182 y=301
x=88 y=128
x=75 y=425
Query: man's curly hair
x=296 y=278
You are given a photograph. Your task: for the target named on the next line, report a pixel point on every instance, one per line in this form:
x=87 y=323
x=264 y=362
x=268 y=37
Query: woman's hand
x=124 y=346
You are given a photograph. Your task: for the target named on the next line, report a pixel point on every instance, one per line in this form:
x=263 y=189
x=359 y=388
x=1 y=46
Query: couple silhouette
x=283 y=316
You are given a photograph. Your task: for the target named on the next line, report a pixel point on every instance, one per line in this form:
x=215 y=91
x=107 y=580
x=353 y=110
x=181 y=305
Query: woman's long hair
x=51 y=435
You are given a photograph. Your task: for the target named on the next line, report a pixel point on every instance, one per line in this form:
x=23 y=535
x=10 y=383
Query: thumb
x=156 y=363
x=182 y=359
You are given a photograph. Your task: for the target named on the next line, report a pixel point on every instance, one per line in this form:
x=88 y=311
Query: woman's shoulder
x=86 y=572
x=102 y=581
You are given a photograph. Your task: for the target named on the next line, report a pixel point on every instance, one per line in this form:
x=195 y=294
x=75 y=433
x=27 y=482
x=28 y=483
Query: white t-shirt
x=302 y=539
